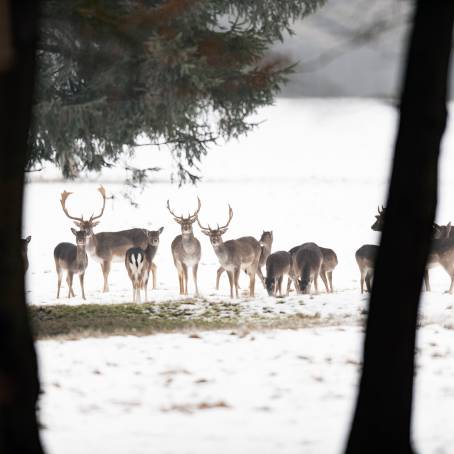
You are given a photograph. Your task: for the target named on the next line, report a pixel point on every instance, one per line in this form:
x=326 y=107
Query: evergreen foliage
x=184 y=73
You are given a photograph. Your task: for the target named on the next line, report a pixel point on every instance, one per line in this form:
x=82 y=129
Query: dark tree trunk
x=19 y=386
x=382 y=418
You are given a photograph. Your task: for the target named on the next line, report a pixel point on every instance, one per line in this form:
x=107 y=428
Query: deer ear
x=160 y=230
x=74 y=231
x=28 y=239
x=78 y=224
x=94 y=224
x=206 y=233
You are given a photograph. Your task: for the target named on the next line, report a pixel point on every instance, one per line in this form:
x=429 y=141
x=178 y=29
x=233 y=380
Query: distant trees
x=183 y=73
x=382 y=421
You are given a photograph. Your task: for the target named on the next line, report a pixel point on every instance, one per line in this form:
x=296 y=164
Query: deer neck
x=221 y=252
x=187 y=239
x=81 y=256
x=91 y=244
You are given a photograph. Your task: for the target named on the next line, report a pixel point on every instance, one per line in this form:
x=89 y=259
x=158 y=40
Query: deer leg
x=316 y=282
x=185 y=278
x=325 y=281
x=251 y=284
x=260 y=275
x=105 y=271
x=81 y=279
x=218 y=276
x=154 y=270
x=194 y=275
x=69 y=281
x=59 y=274
x=144 y=284
x=138 y=293
x=279 y=283
x=289 y=284
x=330 y=278
x=363 y=275
x=426 y=280
x=368 y=281
x=231 y=282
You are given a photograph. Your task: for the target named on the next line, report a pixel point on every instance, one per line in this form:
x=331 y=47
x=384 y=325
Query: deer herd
x=302 y=264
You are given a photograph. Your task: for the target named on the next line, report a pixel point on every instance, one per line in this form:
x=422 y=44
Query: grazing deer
x=307 y=263
x=105 y=247
x=278 y=265
x=365 y=258
x=24 y=251
x=235 y=255
x=137 y=267
x=266 y=242
x=73 y=259
x=329 y=263
x=186 y=249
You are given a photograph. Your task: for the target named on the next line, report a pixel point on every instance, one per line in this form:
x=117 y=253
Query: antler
x=222 y=229
x=64 y=196
x=103 y=193
x=179 y=219
x=382 y=210
x=191 y=217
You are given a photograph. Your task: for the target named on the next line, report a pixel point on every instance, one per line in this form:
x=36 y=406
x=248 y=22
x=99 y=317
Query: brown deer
x=329 y=263
x=105 y=247
x=235 y=255
x=439 y=232
x=186 y=249
x=307 y=262
x=137 y=267
x=266 y=242
x=278 y=265
x=24 y=251
x=365 y=258
x=73 y=259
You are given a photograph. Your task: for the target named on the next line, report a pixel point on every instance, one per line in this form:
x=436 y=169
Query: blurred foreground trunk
x=19 y=386
x=382 y=420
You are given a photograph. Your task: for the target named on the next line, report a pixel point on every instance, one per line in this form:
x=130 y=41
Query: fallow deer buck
x=105 y=247
x=24 y=251
x=186 y=249
x=235 y=255
x=307 y=262
x=278 y=265
x=266 y=243
x=440 y=232
x=137 y=267
x=73 y=259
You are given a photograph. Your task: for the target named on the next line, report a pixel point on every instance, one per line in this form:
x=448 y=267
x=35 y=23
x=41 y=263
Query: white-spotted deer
x=266 y=243
x=24 y=251
x=278 y=264
x=235 y=255
x=137 y=267
x=186 y=249
x=105 y=247
x=307 y=262
x=365 y=258
x=73 y=259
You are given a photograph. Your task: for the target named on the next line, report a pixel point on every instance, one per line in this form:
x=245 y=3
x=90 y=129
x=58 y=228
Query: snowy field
x=315 y=170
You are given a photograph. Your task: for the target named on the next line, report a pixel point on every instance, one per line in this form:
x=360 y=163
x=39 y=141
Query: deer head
x=86 y=225
x=153 y=236
x=380 y=218
x=216 y=234
x=81 y=236
x=441 y=232
x=185 y=222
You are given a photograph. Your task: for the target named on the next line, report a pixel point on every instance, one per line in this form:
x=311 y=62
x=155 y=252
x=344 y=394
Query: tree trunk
x=19 y=386
x=382 y=420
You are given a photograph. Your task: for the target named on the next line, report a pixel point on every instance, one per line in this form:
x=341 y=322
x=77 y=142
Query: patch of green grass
x=94 y=320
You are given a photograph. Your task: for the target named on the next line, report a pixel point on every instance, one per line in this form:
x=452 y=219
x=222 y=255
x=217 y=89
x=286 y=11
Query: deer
x=105 y=247
x=329 y=263
x=439 y=232
x=307 y=262
x=266 y=242
x=137 y=267
x=278 y=264
x=235 y=255
x=73 y=259
x=365 y=258
x=24 y=251
x=186 y=249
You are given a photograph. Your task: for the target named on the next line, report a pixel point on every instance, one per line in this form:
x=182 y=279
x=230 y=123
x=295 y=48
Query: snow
x=315 y=170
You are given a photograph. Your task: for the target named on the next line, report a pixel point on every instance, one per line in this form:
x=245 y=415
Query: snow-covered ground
x=315 y=170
